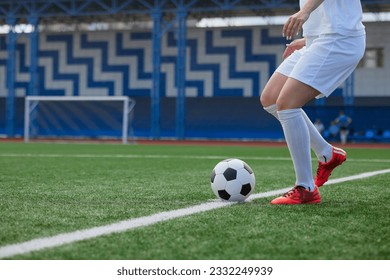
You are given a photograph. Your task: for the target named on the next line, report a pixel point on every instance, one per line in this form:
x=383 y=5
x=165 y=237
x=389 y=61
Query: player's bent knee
x=285 y=104
x=263 y=101
x=266 y=99
x=281 y=105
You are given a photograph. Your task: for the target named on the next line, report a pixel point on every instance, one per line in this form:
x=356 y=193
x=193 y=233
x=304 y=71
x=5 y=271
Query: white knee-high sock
x=320 y=146
x=297 y=137
x=272 y=109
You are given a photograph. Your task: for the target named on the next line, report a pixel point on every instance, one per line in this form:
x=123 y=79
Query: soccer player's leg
x=294 y=95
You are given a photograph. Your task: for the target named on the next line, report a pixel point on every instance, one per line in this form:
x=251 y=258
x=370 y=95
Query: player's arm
x=294 y=23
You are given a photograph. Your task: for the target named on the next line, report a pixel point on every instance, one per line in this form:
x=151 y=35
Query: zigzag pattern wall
x=220 y=62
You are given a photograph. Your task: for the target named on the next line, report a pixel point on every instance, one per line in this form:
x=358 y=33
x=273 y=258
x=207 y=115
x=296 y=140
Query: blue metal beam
x=10 y=102
x=181 y=16
x=349 y=90
x=155 y=94
x=55 y=8
x=34 y=56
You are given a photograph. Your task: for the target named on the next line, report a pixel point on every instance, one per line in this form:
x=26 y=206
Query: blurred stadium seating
x=226 y=68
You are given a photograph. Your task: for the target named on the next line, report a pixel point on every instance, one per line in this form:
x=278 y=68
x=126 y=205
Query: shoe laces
x=292 y=191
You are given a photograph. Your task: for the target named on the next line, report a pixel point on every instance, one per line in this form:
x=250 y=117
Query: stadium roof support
x=166 y=14
x=10 y=81
x=156 y=76
x=76 y=8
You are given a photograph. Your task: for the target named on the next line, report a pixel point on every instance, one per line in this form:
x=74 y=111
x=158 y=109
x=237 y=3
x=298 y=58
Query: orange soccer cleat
x=324 y=170
x=298 y=195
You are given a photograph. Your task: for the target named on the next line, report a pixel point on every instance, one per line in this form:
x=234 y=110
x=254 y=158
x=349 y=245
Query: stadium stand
x=188 y=82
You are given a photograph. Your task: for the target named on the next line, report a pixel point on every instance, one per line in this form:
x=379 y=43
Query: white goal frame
x=32 y=101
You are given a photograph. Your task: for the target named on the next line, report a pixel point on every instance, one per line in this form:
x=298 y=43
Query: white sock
x=272 y=110
x=297 y=137
x=321 y=148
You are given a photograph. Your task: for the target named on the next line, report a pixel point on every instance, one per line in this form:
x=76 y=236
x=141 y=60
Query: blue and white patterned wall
x=220 y=62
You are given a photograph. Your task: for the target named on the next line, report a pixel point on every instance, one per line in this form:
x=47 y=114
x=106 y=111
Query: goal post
x=78 y=116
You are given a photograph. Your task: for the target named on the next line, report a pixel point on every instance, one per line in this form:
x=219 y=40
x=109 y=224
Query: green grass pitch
x=48 y=189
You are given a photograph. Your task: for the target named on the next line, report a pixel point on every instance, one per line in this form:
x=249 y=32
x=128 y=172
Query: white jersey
x=335 y=17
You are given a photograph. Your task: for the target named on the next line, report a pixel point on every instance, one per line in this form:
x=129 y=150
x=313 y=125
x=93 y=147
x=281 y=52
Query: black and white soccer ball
x=232 y=180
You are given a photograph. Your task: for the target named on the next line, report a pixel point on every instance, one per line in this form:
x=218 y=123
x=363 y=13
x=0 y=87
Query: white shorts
x=326 y=62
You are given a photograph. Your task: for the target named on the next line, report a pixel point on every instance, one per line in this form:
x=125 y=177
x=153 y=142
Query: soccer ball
x=232 y=180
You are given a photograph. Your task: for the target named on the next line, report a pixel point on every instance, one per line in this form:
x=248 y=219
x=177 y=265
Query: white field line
x=79 y=235
x=130 y=156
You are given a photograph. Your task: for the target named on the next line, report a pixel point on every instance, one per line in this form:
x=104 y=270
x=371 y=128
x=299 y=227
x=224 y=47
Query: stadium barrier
x=236 y=118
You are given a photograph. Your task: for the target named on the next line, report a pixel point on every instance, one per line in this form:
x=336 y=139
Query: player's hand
x=293 y=25
x=293 y=46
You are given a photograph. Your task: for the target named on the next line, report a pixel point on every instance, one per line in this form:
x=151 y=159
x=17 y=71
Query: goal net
x=78 y=117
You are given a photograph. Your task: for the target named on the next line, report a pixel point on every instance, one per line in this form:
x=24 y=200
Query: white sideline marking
x=356 y=177
x=79 y=235
x=130 y=156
